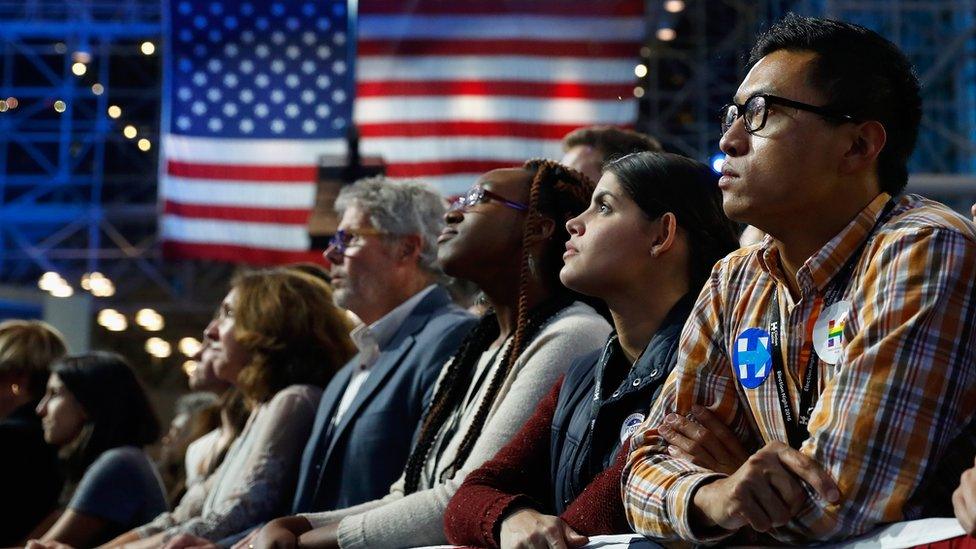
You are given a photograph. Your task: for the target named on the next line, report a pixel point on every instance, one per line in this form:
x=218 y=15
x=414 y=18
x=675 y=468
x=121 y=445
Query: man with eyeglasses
x=383 y=267
x=841 y=350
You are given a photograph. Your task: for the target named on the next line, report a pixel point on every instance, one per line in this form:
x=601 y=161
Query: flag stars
x=261 y=110
x=246 y=125
x=214 y=95
x=277 y=125
x=262 y=80
x=277 y=38
x=323 y=81
x=291 y=110
x=309 y=126
x=308 y=66
x=292 y=81
x=199 y=78
x=246 y=96
x=339 y=96
x=277 y=96
x=323 y=52
x=339 y=67
x=215 y=124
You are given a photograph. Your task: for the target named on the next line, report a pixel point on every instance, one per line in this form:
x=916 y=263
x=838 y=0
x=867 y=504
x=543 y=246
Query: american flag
x=445 y=90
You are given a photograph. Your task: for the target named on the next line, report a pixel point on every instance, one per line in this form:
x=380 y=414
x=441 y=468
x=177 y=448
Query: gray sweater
x=417 y=519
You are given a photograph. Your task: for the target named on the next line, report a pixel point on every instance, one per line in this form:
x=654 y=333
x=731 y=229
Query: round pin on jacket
x=828 y=331
x=751 y=358
x=629 y=426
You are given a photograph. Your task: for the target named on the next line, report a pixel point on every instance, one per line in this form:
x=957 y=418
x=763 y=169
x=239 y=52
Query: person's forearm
x=123 y=539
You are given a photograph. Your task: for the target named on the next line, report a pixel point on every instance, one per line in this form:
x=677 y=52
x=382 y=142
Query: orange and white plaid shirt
x=891 y=424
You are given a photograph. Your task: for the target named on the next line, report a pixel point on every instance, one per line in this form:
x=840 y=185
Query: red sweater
x=519 y=476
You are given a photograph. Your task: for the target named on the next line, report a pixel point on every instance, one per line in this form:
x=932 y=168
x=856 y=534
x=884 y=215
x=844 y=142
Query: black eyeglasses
x=344 y=239
x=478 y=194
x=756 y=108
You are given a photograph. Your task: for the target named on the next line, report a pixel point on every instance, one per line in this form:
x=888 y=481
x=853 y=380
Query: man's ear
x=663 y=233
x=866 y=141
x=409 y=248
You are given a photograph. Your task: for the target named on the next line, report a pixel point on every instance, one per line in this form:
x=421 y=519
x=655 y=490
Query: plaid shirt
x=902 y=391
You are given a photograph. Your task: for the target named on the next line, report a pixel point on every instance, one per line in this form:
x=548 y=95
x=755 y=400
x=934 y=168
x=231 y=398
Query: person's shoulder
x=915 y=216
x=297 y=393
x=577 y=313
x=578 y=323
x=121 y=460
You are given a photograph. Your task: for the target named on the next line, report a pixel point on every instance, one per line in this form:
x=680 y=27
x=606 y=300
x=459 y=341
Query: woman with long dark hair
x=97 y=413
x=645 y=247
x=507 y=235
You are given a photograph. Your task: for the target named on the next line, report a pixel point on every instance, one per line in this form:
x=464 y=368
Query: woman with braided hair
x=645 y=246
x=507 y=235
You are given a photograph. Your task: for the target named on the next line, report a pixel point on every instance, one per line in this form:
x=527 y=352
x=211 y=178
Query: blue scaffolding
x=76 y=195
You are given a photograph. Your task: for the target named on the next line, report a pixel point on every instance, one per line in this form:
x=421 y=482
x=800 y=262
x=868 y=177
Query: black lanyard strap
x=797 y=423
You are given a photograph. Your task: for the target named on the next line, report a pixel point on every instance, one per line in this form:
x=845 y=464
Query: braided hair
x=557 y=193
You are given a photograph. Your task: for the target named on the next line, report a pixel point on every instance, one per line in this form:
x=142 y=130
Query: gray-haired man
x=384 y=270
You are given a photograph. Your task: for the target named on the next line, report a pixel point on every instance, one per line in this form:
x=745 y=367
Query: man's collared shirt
x=370 y=340
x=903 y=386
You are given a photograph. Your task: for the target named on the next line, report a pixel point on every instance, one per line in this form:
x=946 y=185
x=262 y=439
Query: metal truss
x=76 y=195
x=690 y=77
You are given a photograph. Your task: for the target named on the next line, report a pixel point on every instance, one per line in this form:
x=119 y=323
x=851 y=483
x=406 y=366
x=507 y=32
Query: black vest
x=586 y=432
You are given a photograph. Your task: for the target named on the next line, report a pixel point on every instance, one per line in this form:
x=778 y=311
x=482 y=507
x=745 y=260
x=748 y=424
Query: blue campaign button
x=751 y=358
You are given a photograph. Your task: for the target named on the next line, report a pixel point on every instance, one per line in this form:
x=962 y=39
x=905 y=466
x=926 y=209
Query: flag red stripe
x=233 y=213
x=468 y=129
x=236 y=172
x=448 y=167
x=239 y=254
x=587 y=8
x=562 y=90
x=498 y=47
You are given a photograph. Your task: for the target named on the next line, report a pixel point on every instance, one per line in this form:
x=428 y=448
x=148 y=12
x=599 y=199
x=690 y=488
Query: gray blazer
x=367 y=450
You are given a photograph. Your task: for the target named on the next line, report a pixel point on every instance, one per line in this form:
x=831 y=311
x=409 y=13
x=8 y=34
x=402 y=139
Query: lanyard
x=797 y=423
x=598 y=381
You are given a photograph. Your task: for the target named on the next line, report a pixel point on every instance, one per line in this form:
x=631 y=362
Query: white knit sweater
x=397 y=520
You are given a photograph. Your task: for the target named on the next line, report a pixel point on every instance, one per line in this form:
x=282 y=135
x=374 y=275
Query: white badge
x=629 y=426
x=828 y=332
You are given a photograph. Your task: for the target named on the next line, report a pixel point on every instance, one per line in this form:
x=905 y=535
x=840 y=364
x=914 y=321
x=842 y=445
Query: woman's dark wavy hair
x=663 y=182
x=118 y=409
x=557 y=193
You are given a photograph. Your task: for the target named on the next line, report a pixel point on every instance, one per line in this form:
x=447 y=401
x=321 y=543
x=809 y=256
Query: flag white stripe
x=249 y=152
x=427 y=149
x=494 y=109
x=468 y=27
x=503 y=69
x=242 y=194
x=271 y=236
x=392 y=149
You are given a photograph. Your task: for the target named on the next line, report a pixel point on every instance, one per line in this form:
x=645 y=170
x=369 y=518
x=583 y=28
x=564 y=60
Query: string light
x=60 y=106
x=144 y=144
x=640 y=70
x=79 y=69
x=674 y=6
x=666 y=34
x=150 y=320
x=147 y=47
x=97 y=89
x=130 y=131
x=158 y=347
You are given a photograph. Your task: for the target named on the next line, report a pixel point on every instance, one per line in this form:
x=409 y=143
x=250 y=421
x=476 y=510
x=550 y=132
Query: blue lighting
x=716 y=162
